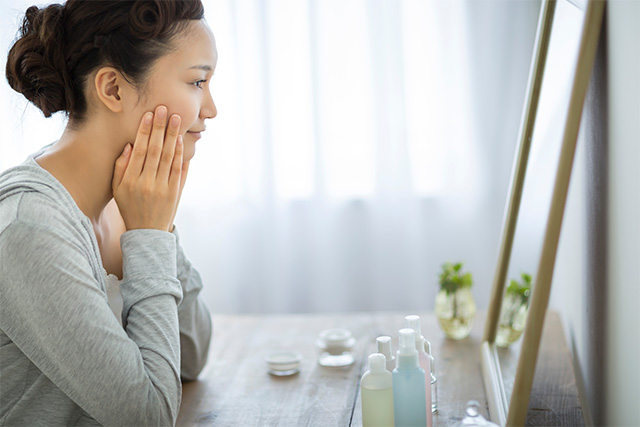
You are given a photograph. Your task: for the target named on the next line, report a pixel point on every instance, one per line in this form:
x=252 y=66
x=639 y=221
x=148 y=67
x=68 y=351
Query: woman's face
x=180 y=80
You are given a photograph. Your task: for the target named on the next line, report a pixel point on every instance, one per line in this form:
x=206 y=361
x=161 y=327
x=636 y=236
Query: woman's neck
x=83 y=160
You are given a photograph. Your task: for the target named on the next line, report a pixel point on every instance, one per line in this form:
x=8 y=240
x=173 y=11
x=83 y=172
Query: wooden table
x=236 y=390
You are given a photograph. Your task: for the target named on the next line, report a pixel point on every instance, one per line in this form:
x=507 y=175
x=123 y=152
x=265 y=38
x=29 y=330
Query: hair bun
x=36 y=64
x=148 y=19
x=145 y=19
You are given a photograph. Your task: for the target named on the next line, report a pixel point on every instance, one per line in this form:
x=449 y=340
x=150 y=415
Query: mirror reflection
x=540 y=176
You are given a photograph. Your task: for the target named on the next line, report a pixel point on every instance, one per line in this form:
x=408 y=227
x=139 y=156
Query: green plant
x=521 y=289
x=452 y=279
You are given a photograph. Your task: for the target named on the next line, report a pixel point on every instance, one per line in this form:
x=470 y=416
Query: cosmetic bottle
x=413 y=322
x=384 y=347
x=409 y=399
x=434 y=379
x=377 y=393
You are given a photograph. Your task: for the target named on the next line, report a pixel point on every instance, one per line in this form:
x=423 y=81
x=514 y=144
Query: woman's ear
x=110 y=88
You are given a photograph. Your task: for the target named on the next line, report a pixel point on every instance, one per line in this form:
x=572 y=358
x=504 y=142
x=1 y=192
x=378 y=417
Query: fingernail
x=127 y=150
x=147 y=118
x=175 y=120
x=161 y=112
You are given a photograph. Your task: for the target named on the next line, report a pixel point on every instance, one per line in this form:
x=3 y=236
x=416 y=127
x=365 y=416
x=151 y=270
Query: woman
x=98 y=205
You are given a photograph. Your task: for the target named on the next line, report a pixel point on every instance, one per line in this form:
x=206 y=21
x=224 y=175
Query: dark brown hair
x=60 y=45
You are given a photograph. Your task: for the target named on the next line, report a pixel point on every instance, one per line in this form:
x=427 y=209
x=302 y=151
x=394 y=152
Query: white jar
x=336 y=347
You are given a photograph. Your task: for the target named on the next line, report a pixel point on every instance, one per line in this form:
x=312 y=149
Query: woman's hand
x=147 y=177
x=183 y=179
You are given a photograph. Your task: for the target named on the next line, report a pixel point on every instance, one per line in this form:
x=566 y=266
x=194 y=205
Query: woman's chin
x=189 y=147
x=189 y=152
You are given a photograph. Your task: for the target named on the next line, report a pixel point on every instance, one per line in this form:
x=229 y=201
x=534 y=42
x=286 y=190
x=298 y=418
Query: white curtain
x=359 y=144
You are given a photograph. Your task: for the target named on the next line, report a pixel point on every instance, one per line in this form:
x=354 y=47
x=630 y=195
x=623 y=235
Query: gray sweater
x=65 y=359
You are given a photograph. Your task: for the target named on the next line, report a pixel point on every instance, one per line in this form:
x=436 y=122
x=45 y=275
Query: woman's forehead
x=197 y=39
x=194 y=47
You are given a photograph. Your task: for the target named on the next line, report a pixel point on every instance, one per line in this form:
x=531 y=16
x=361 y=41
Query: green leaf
x=467 y=280
x=521 y=289
x=452 y=279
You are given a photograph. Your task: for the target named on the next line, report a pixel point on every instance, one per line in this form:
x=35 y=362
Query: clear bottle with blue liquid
x=409 y=397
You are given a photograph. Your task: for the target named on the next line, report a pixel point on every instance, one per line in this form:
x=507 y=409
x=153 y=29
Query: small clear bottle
x=383 y=344
x=409 y=398
x=413 y=322
x=376 y=389
x=434 y=379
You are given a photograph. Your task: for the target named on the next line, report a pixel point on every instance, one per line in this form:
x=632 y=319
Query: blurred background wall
x=359 y=144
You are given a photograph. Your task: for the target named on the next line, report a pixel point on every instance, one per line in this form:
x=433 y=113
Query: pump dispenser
x=409 y=398
x=377 y=393
x=384 y=347
x=413 y=322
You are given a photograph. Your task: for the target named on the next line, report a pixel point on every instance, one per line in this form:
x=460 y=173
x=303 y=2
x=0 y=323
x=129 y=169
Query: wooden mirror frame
x=505 y=410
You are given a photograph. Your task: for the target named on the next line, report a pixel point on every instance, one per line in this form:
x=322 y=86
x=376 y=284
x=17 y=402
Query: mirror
x=563 y=57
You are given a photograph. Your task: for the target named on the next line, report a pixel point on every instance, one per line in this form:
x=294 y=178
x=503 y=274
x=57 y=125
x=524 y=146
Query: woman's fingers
x=120 y=167
x=176 y=168
x=183 y=180
x=168 y=151
x=146 y=181
x=156 y=142
x=139 y=151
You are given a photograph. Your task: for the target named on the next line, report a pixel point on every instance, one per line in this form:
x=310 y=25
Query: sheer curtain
x=358 y=145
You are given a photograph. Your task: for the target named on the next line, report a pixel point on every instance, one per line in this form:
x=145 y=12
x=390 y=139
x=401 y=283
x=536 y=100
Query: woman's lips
x=196 y=135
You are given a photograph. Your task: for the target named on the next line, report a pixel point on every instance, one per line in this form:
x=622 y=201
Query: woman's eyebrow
x=201 y=67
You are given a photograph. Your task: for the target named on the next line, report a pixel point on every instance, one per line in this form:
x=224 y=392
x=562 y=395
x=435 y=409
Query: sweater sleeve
x=195 y=321
x=53 y=309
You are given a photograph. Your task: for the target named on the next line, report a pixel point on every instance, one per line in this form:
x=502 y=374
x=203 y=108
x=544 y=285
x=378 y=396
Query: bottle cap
x=407 y=342
x=413 y=322
x=377 y=362
x=384 y=346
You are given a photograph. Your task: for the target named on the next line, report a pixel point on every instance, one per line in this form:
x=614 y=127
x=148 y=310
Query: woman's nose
x=208 y=110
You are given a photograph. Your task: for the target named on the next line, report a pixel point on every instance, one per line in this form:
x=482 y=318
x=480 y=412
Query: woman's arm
x=138 y=170
x=195 y=321
x=54 y=310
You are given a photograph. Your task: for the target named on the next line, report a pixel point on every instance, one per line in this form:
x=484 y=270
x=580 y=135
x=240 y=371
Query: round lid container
x=335 y=340
x=283 y=362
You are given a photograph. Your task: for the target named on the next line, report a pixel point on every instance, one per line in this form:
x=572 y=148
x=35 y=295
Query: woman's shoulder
x=36 y=230
x=30 y=197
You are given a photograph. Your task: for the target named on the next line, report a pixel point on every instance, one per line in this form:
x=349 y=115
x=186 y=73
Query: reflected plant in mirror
x=513 y=315
x=455 y=306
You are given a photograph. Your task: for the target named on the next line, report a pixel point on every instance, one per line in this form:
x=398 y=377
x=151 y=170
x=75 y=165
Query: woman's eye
x=199 y=83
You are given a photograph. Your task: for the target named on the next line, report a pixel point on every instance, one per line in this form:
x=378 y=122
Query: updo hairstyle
x=60 y=45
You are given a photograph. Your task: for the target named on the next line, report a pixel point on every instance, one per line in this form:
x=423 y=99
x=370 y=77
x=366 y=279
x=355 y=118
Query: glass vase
x=456 y=312
x=513 y=318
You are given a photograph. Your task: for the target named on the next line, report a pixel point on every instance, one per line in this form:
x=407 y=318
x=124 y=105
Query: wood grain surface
x=236 y=390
